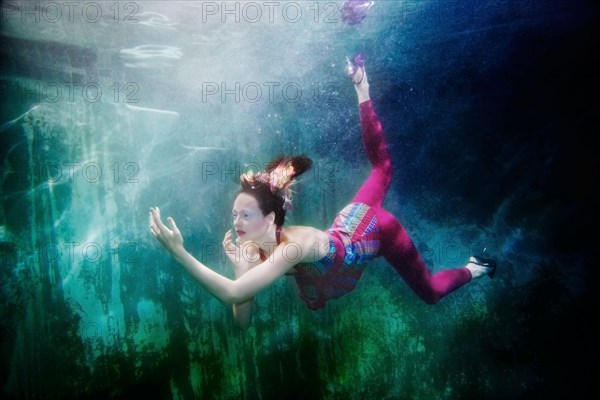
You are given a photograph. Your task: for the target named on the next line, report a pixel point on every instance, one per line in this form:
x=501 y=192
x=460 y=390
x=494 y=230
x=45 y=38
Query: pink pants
x=396 y=246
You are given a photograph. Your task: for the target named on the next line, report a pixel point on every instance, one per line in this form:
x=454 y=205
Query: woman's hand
x=231 y=249
x=170 y=239
x=243 y=256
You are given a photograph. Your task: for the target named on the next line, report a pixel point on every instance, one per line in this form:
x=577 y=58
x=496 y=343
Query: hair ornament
x=281 y=176
x=278 y=180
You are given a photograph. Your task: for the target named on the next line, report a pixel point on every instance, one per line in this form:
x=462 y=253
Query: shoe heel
x=488 y=263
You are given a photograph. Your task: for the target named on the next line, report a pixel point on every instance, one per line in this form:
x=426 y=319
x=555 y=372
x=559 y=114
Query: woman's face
x=248 y=219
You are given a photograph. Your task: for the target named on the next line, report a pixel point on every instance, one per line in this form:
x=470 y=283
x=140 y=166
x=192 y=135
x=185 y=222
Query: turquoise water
x=109 y=108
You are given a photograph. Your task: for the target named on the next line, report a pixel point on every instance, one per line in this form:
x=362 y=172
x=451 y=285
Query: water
x=109 y=108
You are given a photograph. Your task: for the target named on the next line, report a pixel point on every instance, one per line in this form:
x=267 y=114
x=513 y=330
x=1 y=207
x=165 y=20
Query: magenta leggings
x=396 y=246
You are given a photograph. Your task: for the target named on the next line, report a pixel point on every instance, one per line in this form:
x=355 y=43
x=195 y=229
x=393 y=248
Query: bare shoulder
x=314 y=242
x=300 y=233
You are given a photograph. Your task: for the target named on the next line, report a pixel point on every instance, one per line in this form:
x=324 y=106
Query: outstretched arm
x=171 y=239
x=226 y=290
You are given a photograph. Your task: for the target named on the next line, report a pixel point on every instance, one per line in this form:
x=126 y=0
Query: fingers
x=228 y=242
x=170 y=239
x=156 y=225
x=228 y=245
x=173 y=226
x=153 y=228
x=155 y=212
x=155 y=216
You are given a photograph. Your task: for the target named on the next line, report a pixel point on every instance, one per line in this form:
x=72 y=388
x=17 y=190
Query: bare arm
x=242 y=313
x=226 y=290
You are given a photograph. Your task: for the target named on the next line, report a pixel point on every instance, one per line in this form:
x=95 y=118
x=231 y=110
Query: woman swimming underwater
x=329 y=263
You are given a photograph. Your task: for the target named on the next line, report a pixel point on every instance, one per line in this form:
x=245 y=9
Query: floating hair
x=279 y=176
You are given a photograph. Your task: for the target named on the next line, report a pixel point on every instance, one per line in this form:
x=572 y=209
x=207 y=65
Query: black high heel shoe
x=487 y=263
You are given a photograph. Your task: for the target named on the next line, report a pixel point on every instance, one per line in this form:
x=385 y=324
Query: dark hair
x=270 y=198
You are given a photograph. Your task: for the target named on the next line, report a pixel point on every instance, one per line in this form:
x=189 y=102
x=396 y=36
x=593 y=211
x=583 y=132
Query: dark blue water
x=110 y=108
